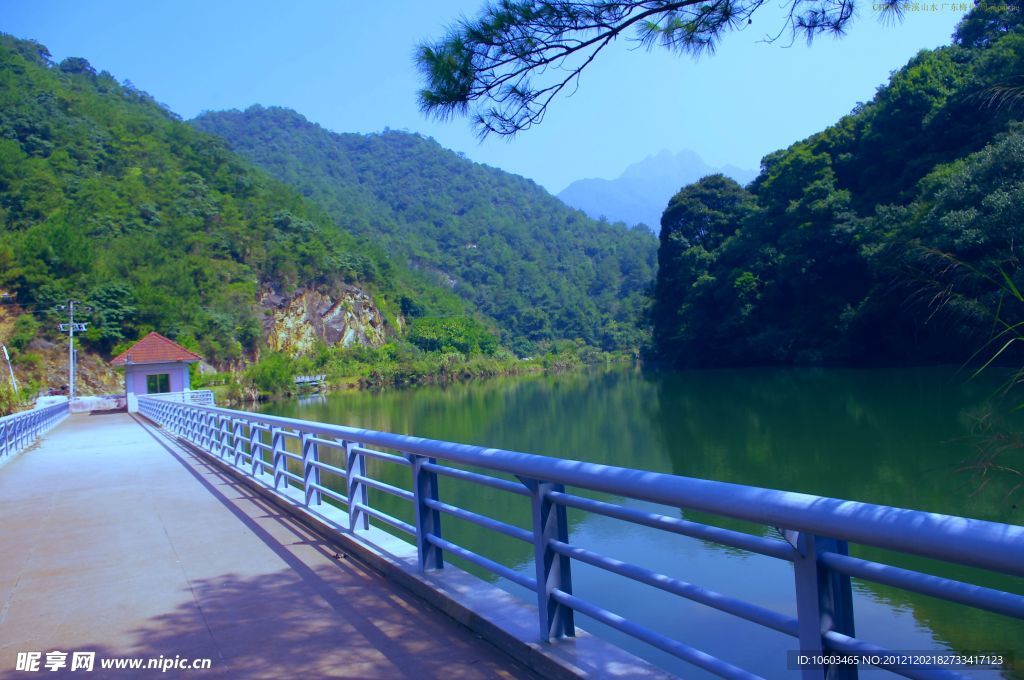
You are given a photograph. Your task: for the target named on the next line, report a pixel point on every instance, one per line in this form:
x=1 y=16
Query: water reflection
x=895 y=437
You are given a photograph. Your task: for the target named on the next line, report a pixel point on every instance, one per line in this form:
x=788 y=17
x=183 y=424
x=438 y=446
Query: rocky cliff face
x=346 y=316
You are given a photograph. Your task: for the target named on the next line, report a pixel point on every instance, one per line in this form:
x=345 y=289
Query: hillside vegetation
x=108 y=198
x=892 y=236
x=539 y=269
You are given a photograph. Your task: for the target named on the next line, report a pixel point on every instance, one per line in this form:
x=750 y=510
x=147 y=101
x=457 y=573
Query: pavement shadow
x=338 y=618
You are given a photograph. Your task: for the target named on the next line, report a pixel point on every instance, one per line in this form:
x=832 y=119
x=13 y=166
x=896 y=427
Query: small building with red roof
x=153 y=365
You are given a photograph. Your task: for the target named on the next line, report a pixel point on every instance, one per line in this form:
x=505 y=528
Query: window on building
x=157 y=383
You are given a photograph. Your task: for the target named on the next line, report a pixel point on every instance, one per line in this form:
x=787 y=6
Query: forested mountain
x=640 y=193
x=108 y=198
x=541 y=270
x=893 y=235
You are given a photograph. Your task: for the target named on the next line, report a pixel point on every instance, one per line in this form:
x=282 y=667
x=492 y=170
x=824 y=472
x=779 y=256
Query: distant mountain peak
x=641 y=192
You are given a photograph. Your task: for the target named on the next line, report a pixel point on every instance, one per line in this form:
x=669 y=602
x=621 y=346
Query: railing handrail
x=19 y=430
x=33 y=411
x=194 y=397
x=973 y=542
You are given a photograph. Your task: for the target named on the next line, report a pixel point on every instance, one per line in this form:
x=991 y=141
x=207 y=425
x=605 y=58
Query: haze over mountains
x=641 y=192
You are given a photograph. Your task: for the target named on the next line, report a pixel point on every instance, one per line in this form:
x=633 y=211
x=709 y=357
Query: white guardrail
x=21 y=429
x=199 y=397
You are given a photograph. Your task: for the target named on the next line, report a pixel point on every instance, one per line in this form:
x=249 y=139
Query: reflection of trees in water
x=894 y=437
x=965 y=629
x=588 y=416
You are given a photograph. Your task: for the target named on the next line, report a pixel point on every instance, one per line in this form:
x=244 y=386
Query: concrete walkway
x=115 y=541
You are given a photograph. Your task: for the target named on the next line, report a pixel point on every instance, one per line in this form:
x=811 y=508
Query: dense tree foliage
x=453 y=334
x=541 y=270
x=890 y=236
x=108 y=198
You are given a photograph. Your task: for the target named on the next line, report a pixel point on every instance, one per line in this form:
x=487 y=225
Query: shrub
x=274 y=373
x=25 y=330
x=460 y=334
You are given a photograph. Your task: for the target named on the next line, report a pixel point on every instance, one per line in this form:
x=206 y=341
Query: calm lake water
x=892 y=436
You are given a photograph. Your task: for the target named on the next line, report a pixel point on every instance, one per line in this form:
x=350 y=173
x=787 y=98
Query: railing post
x=214 y=430
x=428 y=520
x=200 y=429
x=310 y=471
x=278 y=458
x=208 y=425
x=355 y=464
x=255 y=450
x=238 y=445
x=824 y=602
x=553 y=570
x=226 y=445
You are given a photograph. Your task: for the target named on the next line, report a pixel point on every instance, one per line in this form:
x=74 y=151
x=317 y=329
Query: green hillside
x=108 y=198
x=541 y=270
x=892 y=236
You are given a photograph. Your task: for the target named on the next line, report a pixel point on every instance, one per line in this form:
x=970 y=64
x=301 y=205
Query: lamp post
x=71 y=327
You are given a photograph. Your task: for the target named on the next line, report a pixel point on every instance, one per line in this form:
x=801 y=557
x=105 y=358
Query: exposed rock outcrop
x=347 y=316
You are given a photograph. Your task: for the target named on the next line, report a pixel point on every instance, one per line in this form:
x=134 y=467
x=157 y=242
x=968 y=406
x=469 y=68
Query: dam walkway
x=243 y=541
x=117 y=541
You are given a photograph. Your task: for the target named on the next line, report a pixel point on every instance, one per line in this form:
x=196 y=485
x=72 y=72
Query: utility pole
x=71 y=327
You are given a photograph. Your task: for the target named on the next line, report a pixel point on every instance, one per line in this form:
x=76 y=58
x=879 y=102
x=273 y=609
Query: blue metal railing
x=21 y=429
x=816 y=530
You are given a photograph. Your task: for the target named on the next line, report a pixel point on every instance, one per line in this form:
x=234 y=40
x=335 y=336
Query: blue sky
x=349 y=67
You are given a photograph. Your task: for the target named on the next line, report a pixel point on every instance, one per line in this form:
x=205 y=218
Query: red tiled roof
x=154 y=349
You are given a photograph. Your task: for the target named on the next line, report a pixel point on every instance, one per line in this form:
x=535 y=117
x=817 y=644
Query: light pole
x=71 y=327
